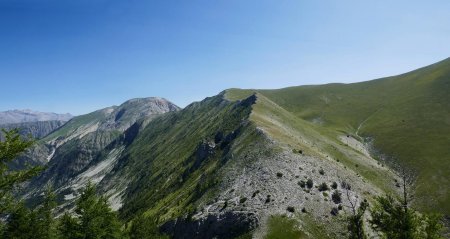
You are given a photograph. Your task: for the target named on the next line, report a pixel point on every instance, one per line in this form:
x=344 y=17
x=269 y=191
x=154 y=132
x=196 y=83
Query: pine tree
x=10 y=149
x=95 y=219
x=20 y=223
x=395 y=218
x=69 y=227
x=391 y=219
x=45 y=222
x=355 y=222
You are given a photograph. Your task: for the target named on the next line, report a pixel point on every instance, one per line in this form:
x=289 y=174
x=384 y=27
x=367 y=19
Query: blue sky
x=81 y=55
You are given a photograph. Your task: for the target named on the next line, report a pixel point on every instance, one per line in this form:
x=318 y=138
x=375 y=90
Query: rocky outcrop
x=222 y=226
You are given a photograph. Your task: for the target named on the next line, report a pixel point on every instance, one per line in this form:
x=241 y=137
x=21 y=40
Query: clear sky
x=81 y=55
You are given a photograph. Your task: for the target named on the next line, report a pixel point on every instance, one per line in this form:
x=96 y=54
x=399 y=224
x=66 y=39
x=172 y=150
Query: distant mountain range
x=36 y=130
x=22 y=116
x=236 y=164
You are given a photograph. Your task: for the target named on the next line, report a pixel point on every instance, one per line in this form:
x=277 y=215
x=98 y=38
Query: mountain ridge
x=230 y=164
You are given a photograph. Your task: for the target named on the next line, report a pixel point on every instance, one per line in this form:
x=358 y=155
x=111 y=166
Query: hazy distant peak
x=27 y=115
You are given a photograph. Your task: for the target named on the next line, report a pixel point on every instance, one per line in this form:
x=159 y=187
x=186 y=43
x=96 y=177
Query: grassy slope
x=407 y=116
x=161 y=162
x=75 y=123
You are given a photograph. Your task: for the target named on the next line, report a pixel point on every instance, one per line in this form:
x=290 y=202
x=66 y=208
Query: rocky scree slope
x=80 y=150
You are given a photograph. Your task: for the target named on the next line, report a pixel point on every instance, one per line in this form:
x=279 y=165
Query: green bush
x=242 y=200
x=323 y=187
x=309 y=183
x=336 y=197
x=334 y=185
x=302 y=184
x=321 y=172
x=290 y=209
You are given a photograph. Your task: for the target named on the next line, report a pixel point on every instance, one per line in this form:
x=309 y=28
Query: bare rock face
x=127 y=113
x=204 y=150
x=21 y=116
x=225 y=226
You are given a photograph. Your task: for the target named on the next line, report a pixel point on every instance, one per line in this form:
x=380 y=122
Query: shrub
x=290 y=209
x=242 y=200
x=325 y=194
x=255 y=193
x=336 y=197
x=309 y=183
x=323 y=187
x=304 y=210
x=302 y=184
x=321 y=172
x=279 y=175
x=268 y=199
x=334 y=211
x=334 y=185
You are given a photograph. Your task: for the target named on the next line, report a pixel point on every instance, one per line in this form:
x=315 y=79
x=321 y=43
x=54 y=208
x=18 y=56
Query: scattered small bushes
x=334 y=211
x=309 y=183
x=323 y=187
x=302 y=184
x=267 y=199
x=334 y=185
x=321 y=171
x=290 y=209
x=243 y=200
x=336 y=197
